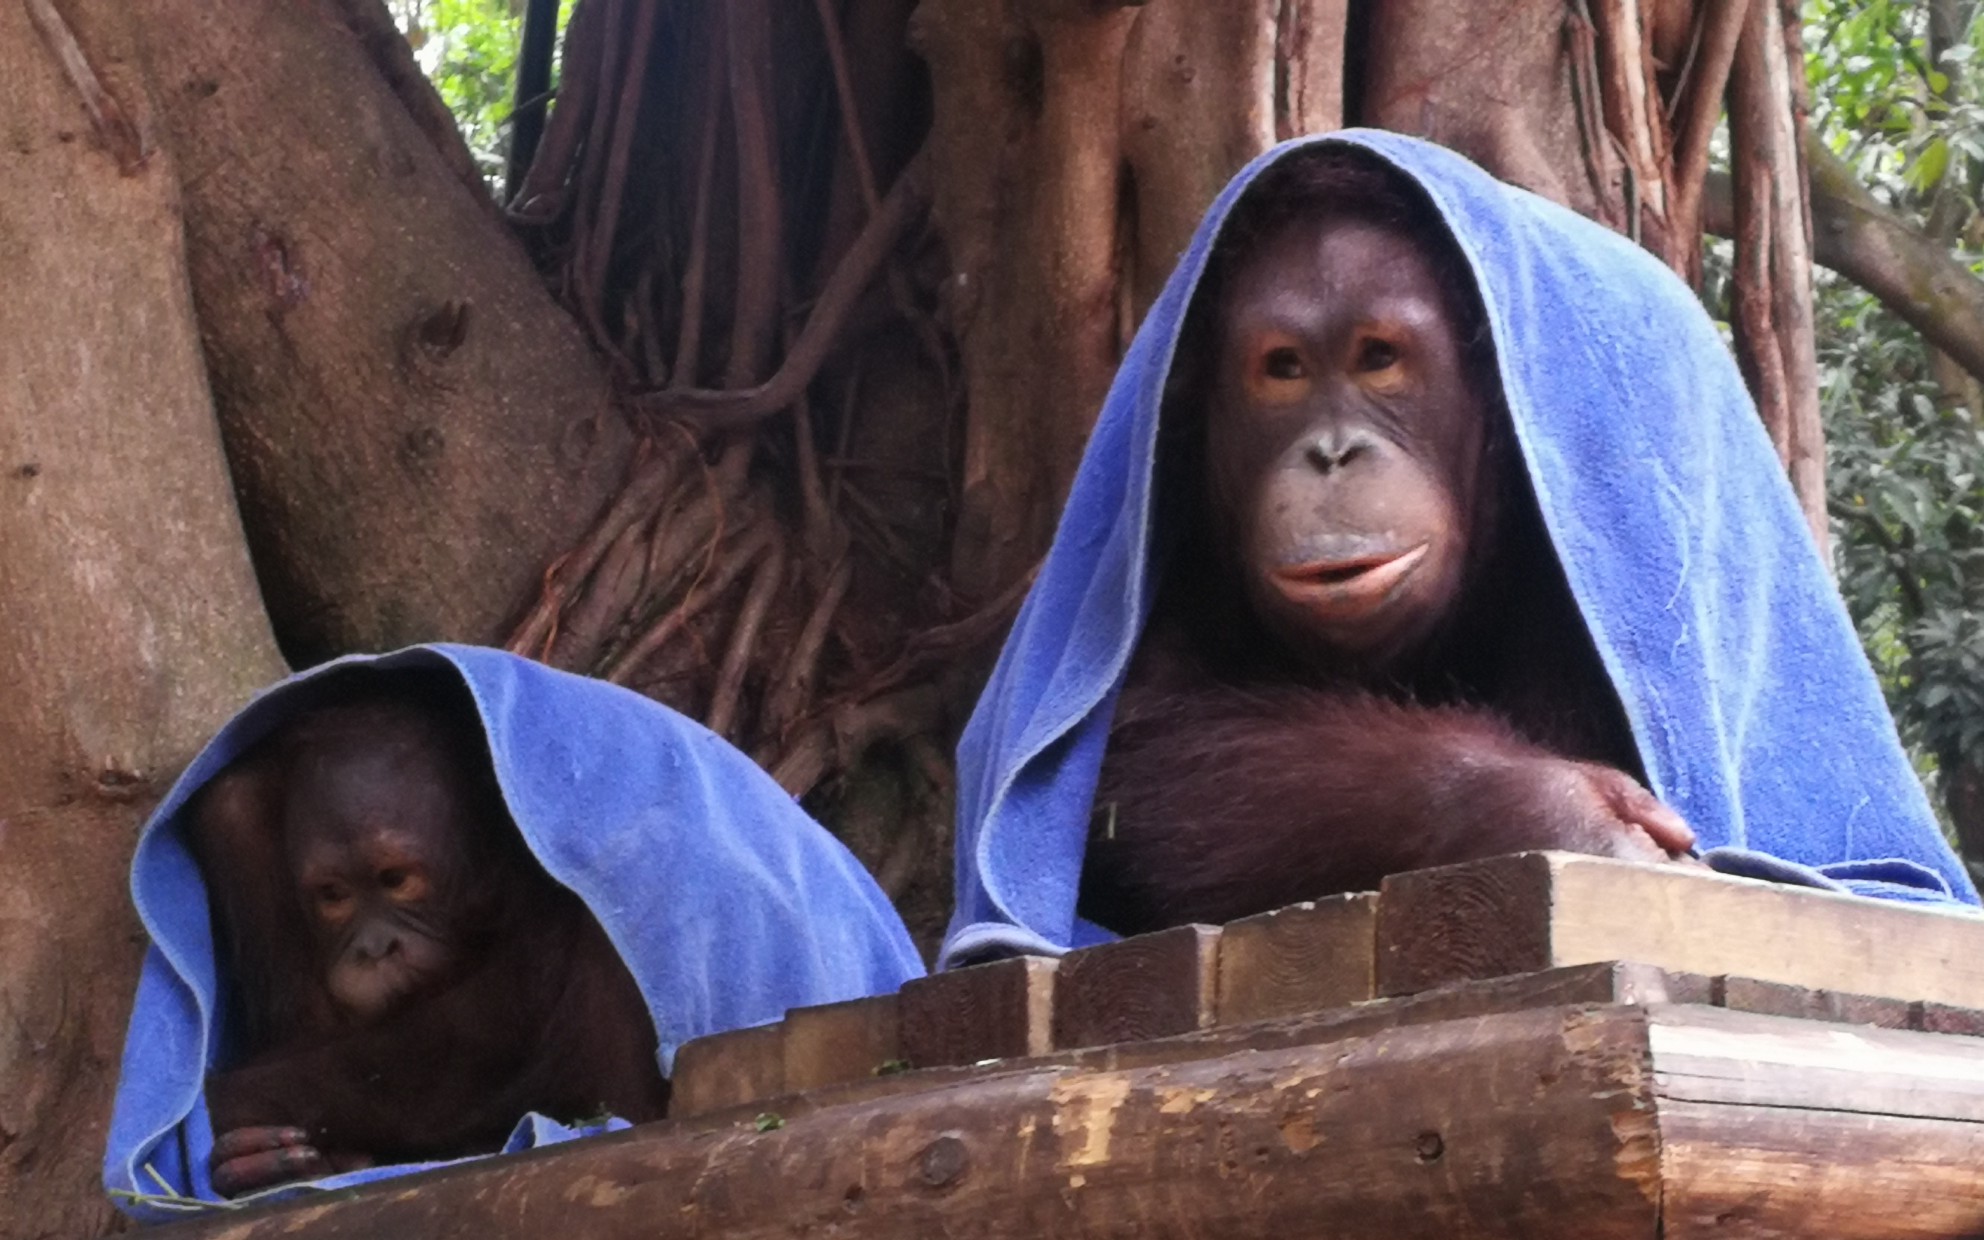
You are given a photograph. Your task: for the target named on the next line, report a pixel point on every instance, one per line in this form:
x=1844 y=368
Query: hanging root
x=765 y=582
x=756 y=564
x=732 y=409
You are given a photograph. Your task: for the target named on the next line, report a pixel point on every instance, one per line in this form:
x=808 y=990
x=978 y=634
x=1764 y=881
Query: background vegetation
x=1898 y=92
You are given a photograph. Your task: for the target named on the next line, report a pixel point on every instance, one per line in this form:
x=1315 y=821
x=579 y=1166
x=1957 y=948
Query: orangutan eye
x=404 y=884
x=1375 y=354
x=1282 y=363
x=331 y=896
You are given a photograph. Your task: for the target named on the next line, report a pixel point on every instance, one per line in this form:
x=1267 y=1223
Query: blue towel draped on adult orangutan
x=447 y=901
x=1425 y=521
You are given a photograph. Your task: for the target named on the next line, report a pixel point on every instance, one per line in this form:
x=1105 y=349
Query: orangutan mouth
x=1349 y=587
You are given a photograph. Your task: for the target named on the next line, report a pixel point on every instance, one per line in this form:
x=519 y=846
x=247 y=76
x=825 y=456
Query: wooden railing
x=1534 y=1046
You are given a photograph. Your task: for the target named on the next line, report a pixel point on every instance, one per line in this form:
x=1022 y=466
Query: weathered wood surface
x=727 y=1070
x=1002 y=1010
x=1411 y=1131
x=1595 y=984
x=1747 y=994
x=1743 y=945
x=1536 y=911
x=1299 y=959
x=1567 y=1121
x=1774 y=1127
x=838 y=1042
x=1150 y=986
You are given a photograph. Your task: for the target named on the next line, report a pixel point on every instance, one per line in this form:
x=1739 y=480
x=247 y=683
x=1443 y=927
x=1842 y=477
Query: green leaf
x=1927 y=171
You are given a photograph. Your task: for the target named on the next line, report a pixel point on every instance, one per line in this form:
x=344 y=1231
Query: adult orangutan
x=1425 y=521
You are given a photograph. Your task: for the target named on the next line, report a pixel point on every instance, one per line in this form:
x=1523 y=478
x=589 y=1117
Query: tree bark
x=1772 y=293
x=1515 y=87
x=1074 y=146
x=416 y=429
x=1028 y=170
x=132 y=625
x=1206 y=87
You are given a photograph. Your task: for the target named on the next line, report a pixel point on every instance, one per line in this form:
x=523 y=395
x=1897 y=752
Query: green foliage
x=468 y=49
x=1906 y=437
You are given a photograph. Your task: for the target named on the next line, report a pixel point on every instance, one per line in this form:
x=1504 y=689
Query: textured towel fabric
x=1755 y=712
x=727 y=902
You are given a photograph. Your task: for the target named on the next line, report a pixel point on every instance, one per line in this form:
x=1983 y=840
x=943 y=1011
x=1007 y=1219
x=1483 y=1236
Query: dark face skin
x=1345 y=449
x=375 y=823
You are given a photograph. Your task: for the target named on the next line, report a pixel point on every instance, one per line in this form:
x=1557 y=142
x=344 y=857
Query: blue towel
x=727 y=902
x=1754 y=710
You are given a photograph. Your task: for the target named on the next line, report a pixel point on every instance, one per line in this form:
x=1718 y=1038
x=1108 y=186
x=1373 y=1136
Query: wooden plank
x=838 y=1042
x=1534 y=1124
x=1742 y=1059
x=1747 y=994
x=727 y=1070
x=1148 y=986
x=1001 y=1010
x=1299 y=959
x=1778 y=1127
x=1734 y=1171
x=1607 y=983
x=1942 y=1018
x=1533 y=911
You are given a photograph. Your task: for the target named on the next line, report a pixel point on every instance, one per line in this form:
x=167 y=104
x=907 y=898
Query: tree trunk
x=1772 y=298
x=415 y=428
x=132 y=625
x=1074 y=147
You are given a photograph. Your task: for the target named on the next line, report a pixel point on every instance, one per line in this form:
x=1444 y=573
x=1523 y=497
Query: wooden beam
x=1536 y=911
x=1942 y=1018
x=725 y=1070
x=1677 y=1122
x=1530 y=1124
x=1149 y=986
x=839 y=1042
x=1746 y=994
x=1777 y=1127
x=1299 y=959
x=1002 y=1010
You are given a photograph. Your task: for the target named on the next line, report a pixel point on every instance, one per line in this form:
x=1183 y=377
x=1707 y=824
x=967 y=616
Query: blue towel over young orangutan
x=728 y=904
x=1754 y=710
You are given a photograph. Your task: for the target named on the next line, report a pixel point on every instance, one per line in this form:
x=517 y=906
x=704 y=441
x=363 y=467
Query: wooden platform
x=1536 y=1046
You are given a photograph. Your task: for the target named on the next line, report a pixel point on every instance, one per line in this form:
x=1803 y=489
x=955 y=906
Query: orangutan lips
x=1345 y=589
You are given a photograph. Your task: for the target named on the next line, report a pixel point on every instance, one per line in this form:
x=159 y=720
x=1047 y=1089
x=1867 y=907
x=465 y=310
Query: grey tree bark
x=130 y=625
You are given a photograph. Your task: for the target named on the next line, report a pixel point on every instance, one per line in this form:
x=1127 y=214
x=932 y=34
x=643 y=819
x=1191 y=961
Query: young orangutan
x=408 y=980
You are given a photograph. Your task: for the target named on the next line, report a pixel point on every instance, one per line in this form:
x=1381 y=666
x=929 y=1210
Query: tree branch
x=1856 y=236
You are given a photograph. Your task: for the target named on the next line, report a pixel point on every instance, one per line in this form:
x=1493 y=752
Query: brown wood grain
x=1299 y=959
x=1002 y=1010
x=1781 y=1127
x=1535 y=911
x=1795 y=1173
x=1743 y=1059
x=1149 y=986
x=1533 y=1124
x=727 y=1070
x=1942 y=1018
x=1604 y=984
x=1747 y=994
x=838 y=1042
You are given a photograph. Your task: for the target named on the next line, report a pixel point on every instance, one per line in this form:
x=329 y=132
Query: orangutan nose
x=1334 y=449
x=375 y=944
